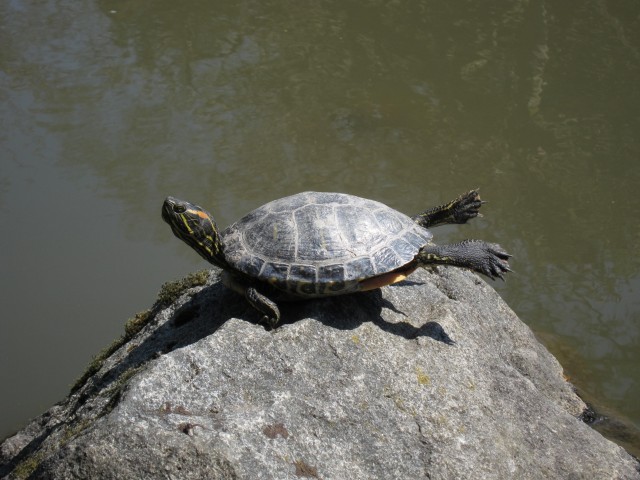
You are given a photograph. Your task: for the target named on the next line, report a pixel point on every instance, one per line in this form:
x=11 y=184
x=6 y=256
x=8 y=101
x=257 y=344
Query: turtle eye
x=179 y=209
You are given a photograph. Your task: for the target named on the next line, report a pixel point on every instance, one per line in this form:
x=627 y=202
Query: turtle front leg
x=489 y=259
x=269 y=309
x=460 y=210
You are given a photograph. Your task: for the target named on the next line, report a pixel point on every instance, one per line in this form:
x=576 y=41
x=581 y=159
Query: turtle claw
x=467 y=206
x=495 y=261
x=486 y=258
x=460 y=210
x=268 y=322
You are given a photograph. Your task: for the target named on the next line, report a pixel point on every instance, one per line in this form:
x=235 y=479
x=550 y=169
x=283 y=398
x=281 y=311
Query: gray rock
x=432 y=378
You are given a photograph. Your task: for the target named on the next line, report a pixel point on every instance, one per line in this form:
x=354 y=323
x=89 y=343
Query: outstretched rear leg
x=489 y=259
x=460 y=210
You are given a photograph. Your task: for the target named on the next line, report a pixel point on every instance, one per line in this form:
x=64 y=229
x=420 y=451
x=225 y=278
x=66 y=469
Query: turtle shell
x=315 y=244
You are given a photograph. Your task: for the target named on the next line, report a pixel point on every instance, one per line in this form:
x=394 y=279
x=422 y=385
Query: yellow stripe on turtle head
x=186 y=223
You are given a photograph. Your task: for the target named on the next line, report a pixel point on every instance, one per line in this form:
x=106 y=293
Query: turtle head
x=196 y=227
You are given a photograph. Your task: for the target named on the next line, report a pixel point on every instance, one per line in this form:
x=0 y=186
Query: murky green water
x=106 y=107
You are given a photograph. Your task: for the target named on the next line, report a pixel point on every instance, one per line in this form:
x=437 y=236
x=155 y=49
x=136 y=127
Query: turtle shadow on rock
x=211 y=307
x=347 y=312
x=202 y=315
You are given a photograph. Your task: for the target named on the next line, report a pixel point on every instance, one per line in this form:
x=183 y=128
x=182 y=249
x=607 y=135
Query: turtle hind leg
x=460 y=210
x=268 y=308
x=489 y=259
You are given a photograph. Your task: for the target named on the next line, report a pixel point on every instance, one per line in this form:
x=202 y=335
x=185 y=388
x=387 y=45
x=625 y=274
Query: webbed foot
x=493 y=260
x=489 y=259
x=466 y=206
x=460 y=210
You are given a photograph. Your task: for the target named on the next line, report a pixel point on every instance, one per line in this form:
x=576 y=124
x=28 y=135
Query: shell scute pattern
x=321 y=243
x=273 y=234
x=337 y=276
x=403 y=248
x=388 y=221
x=253 y=265
x=386 y=256
x=303 y=278
x=359 y=269
x=358 y=229
x=316 y=239
x=275 y=273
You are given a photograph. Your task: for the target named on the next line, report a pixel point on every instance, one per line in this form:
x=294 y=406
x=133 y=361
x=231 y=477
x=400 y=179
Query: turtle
x=317 y=244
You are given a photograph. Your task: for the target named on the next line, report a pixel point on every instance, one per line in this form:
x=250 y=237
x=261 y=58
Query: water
x=109 y=106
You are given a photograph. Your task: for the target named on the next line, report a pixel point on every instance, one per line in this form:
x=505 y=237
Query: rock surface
x=432 y=378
